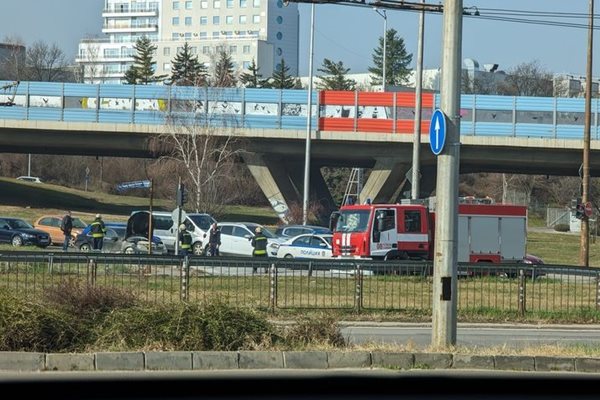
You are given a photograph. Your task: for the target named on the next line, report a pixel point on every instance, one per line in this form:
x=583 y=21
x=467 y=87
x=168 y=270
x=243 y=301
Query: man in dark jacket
x=98 y=230
x=66 y=226
x=214 y=240
x=259 y=242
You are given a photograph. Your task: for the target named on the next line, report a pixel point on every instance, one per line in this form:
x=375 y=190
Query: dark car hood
x=138 y=224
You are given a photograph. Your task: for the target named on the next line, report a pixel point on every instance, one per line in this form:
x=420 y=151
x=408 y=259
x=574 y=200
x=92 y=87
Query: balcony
x=124 y=11
x=129 y=27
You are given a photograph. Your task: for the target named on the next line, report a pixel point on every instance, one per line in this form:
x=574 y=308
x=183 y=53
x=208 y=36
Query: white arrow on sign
x=437 y=133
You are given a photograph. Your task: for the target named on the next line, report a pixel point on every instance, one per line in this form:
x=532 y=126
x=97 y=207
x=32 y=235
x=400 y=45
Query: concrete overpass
x=275 y=157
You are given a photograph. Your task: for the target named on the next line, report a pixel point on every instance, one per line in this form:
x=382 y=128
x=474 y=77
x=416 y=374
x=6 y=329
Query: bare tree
x=12 y=65
x=201 y=147
x=46 y=63
x=92 y=69
x=527 y=79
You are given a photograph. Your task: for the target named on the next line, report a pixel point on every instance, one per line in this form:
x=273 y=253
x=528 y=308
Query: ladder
x=353 y=187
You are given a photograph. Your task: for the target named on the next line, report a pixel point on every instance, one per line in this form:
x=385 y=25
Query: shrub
x=34 y=327
x=319 y=331
x=561 y=228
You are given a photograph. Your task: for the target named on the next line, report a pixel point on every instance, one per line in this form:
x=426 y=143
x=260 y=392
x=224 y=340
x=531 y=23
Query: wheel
x=129 y=250
x=17 y=241
x=288 y=256
x=197 y=249
x=85 y=248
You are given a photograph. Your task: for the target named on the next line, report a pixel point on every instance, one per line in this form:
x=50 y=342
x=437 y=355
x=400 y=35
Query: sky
x=349 y=34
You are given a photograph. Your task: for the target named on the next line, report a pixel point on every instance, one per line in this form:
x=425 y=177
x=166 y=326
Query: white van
x=197 y=224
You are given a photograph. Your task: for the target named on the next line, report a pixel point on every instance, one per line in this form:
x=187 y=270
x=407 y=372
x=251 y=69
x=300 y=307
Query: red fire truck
x=491 y=233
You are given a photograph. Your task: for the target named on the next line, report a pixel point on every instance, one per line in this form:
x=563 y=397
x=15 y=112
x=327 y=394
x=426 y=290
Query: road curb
x=231 y=360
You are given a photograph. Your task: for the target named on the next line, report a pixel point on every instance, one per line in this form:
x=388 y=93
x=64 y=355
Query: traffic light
x=181 y=195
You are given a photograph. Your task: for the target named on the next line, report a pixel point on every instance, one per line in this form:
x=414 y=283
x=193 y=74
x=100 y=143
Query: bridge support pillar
x=274 y=181
x=319 y=192
x=384 y=179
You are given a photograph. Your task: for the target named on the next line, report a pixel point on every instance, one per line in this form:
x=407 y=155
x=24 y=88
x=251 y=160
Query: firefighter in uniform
x=185 y=240
x=259 y=242
x=98 y=230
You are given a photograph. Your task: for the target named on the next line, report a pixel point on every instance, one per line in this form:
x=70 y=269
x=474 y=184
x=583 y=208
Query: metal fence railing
x=278 y=284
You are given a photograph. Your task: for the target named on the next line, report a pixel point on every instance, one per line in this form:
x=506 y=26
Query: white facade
x=263 y=30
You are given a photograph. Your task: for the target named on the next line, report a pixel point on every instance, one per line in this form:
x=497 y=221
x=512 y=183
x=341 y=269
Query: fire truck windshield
x=353 y=221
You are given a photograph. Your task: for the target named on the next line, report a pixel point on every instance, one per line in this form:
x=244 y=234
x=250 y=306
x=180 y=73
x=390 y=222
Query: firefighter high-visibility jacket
x=97 y=228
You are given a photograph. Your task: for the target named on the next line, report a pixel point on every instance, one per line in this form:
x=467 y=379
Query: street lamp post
x=305 y=198
x=383 y=15
x=415 y=184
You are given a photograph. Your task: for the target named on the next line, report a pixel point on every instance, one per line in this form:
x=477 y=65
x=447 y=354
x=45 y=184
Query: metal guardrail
x=277 y=284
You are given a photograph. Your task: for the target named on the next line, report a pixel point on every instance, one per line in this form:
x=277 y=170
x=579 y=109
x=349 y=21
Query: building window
x=219 y=49
x=243 y=3
x=166 y=66
x=203 y=35
x=256 y=3
x=256 y=19
x=280 y=20
x=216 y=3
x=188 y=21
x=279 y=35
x=193 y=50
x=175 y=5
x=215 y=35
x=188 y=35
x=188 y=5
x=229 y=19
x=246 y=64
x=232 y=49
x=279 y=3
x=175 y=36
x=167 y=51
x=203 y=20
x=205 y=49
x=242 y=19
x=279 y=52
x=179 y=49
x=204 y=4
x=216 y=20
x=175 y=21
x=229 y=3
x=246 y=49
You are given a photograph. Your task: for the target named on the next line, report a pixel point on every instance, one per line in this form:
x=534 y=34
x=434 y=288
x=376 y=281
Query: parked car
x=19 y=232
x=313 y=246
x=236 y=239
x=31 y=179
x=117 y=241
x=51 y=224
x=290 y=231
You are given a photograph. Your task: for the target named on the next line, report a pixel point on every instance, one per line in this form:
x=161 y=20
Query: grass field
x=30 y=200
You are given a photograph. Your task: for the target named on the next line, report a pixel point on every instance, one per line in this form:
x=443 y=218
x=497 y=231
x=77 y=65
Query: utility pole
x=383 y=15
x=584 y=254
x=444 y=300
x=416 y=159
x=306 y=196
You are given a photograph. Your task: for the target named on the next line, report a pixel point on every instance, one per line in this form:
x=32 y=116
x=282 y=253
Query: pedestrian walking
x=66 y=226
x=185 y=240
x=98 y=231
x=259 y=243
x=214 y=240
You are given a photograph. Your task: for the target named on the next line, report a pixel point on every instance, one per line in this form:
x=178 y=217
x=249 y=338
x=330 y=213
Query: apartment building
x=264 y=30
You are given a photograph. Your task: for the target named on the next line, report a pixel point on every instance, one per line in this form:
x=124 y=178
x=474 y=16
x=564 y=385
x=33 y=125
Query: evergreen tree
x=252 y=78
x=142 y=70
x=224 y=74
x=335 y=77
x=281 y=78
x=187 y=70
x=397 y=60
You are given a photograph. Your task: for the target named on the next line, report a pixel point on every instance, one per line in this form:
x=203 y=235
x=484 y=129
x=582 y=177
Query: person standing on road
x=214 y=240
x=66 y=226
x=98 y=230
x=185 y=241
x=259 y=243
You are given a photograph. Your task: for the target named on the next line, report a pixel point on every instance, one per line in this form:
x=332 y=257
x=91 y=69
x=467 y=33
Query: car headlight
x=274 y=246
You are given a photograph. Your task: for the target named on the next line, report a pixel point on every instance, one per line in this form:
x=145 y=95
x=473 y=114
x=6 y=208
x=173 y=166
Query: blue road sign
x=437 y=131
x=133 y=185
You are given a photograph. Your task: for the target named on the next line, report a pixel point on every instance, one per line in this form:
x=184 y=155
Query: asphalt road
x=479 y=335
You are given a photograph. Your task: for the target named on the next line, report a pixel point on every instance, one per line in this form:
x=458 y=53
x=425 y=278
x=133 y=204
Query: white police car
x=306 y=246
